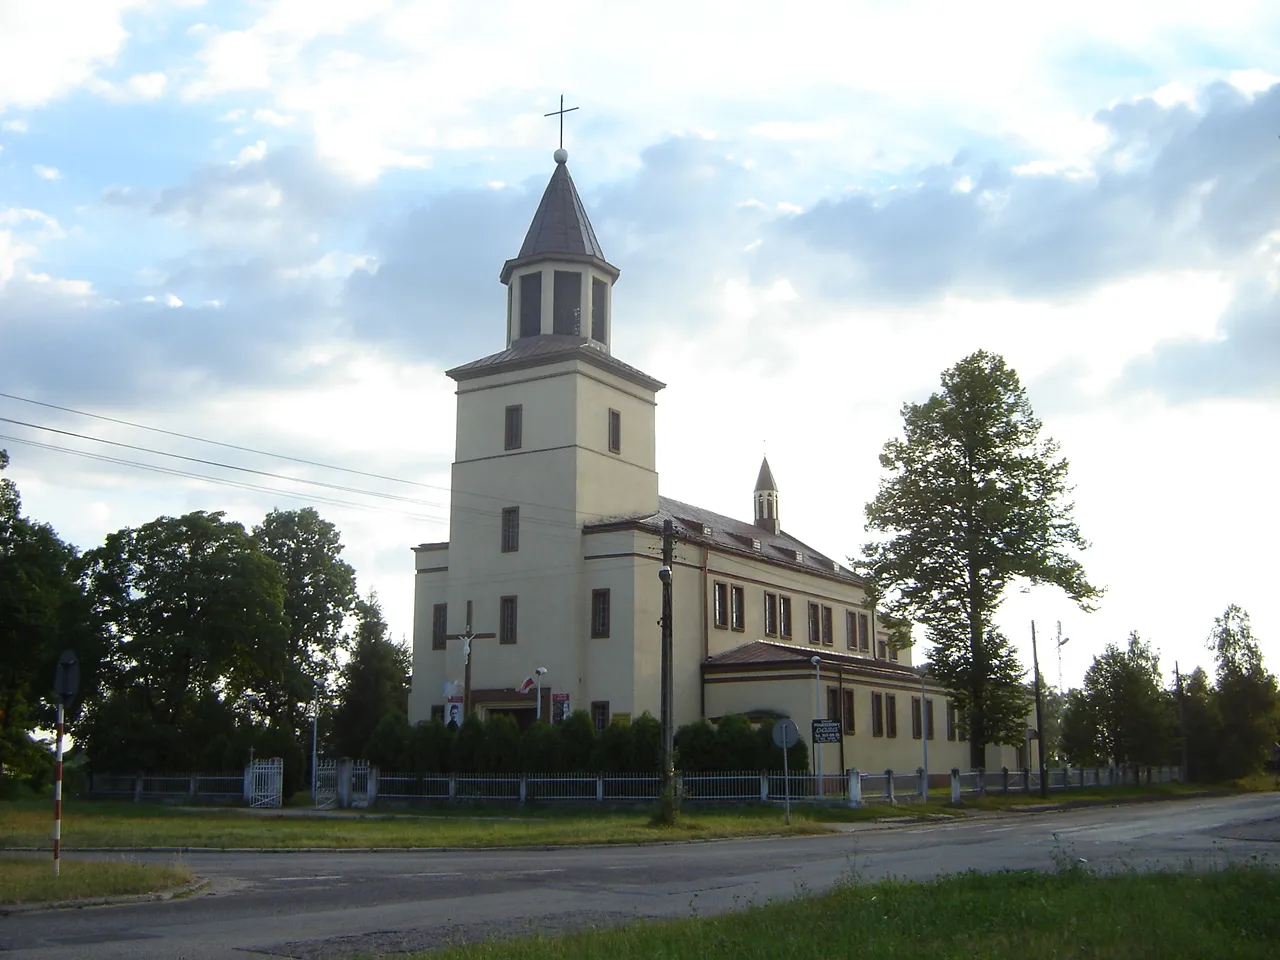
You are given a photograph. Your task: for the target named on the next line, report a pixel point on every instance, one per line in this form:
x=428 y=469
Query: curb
x=195 y=886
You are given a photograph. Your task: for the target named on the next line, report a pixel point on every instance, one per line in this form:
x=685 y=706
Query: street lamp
x=817 y=709
x=923 y=670
x=540 y=672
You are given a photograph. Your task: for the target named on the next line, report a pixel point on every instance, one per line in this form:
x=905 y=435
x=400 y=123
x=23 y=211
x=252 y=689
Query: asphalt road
x=323 y=905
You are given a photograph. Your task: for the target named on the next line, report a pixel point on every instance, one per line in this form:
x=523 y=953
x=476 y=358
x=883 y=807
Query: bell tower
x=766 y=498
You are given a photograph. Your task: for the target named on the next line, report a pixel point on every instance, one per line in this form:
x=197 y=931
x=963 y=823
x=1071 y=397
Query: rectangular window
x=566 y=303
x=600 y=714
x=770 y=614
x=916 y=728
x=615 y=431
x=737 y=601
x=599 y=310
x=928 y=718
x=784 y=617
x=599 y=614
x=513 y=434
x=510 y=529
x=826 y=626
x=890 y=715
x=815 y=624
x=951 y=720
x=846 y=714
x=893 y=654
x=439 y=625
x=531 y=304
x=877 y=714
x=437 y=712
x=833 y=703
x=863 y=633
x=507 y=621
x=721 y=594
x=851 y=630
x=882 y=652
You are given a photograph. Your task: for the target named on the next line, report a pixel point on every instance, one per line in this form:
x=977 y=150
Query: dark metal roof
x=735 y=536
x=765 y=480
x=560 y=229
x=774 y=653
x=552 y=348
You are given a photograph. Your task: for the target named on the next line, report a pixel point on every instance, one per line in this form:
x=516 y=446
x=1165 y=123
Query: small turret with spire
x=767 y=500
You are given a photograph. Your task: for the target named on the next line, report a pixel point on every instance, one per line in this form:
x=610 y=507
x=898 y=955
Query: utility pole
x=1035 y=663
x=667 y=804
x=1182 y=720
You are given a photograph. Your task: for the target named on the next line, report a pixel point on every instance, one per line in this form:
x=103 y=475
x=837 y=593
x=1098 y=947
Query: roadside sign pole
x=786 y=778
x=57 y=795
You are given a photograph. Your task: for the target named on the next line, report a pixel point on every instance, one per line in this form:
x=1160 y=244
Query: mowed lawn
x=29 y=879
x=87 y=825
x=1235 y=913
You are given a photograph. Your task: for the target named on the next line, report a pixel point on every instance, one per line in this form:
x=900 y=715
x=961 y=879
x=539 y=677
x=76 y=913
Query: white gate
x=266 y=782
x=326 y=797
x=361 y=782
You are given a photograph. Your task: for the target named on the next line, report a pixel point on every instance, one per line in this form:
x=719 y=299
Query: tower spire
x=766 y=500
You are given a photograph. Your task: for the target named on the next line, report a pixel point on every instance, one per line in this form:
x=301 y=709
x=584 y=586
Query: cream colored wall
x=430 y=586
x=756 y=577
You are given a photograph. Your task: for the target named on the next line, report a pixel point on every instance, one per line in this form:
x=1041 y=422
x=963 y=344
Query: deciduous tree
x=974 y=499
x=375 y=682
x=1248 y=704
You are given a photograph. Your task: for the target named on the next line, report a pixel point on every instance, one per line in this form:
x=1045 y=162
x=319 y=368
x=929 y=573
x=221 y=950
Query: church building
x=550 y=573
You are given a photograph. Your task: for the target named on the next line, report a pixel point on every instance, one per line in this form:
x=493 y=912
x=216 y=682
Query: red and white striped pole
x=57 y=797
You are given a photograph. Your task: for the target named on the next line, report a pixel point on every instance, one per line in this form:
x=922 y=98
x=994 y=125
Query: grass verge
x=89 y=825
x=1007 y=915
x=1018 y=799
x=25 y=879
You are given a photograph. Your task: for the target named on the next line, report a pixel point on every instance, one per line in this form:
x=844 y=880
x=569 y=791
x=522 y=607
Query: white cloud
x=14 y=126
x=272 y=119
x=47 y=173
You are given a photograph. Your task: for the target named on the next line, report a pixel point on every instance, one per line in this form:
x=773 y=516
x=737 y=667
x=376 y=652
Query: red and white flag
x=527 y=685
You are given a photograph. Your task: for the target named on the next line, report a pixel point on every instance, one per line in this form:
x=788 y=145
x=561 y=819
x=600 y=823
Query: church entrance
x=523 y=716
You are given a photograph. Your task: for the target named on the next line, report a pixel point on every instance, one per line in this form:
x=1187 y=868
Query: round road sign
x=785 y=734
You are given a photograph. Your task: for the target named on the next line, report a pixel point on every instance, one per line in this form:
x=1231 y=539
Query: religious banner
x=559 y=707
x=453 y=712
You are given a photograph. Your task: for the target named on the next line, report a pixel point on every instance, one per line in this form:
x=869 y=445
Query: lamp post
x=315 y=729
x=817 y=709
x=540 y=672
x=924 y=729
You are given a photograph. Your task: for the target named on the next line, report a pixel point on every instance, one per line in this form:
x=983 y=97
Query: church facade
x=550 y=573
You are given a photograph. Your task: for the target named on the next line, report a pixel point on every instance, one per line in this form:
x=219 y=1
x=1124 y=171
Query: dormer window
x=566 y=312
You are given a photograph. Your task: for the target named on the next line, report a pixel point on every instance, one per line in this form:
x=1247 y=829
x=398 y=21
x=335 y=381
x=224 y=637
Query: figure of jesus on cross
x=466 y=637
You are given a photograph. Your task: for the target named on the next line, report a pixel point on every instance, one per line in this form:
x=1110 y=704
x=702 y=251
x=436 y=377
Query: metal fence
x=370 y=785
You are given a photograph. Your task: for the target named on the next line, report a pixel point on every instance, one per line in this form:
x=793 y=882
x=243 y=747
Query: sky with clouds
x=275 y=224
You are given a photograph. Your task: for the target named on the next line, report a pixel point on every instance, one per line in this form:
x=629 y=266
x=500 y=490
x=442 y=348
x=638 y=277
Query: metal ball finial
x=561 y=155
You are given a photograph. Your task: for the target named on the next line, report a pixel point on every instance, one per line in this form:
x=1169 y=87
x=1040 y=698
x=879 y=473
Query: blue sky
x=276 y=223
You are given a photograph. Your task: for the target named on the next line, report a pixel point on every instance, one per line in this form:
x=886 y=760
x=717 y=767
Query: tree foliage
x=1122 y=715
x=973 y=500
x=374 y=685
x=1246 y=697
x=194 y=612
x=43 y=610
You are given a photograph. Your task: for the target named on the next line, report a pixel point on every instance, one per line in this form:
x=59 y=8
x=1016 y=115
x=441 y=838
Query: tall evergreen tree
x=374 y=685
x=974 y=499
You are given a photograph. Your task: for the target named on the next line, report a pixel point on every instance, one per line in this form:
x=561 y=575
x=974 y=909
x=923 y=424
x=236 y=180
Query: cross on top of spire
x=560 y=113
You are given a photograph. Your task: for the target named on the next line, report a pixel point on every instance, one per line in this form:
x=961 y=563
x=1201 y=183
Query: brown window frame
x=828 y=632
x=770 y=614
x=928 y=718
x=951 y=720
x=877 y=714
x=720 y=605
x=864 y=633
x=439 y=626
x=890 y=714
x=850 y=630
x=833 y=703
x=600 y=613
x=815 y=623
x=615 y=431
x=508 y=623
x=917 y=719
x=513 y=427
x=737 y=608
x=785 y=624
x=600 y=708
x=510 y=529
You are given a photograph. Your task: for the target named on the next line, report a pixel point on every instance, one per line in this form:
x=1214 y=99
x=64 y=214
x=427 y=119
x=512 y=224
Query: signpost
x=786 y=735
x=826 y=731
x=66 y=681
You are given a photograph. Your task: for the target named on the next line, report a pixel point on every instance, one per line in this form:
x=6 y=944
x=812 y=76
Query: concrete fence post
x=137 y=789
x=764 y=787
x=1026 y=780
x=855 y=788
x=955 y=785
x=920 y=786
x=191 y=787
x=524 y=789
x=982 y=781
x=344 y=783
x=1004 y=780
x=453 y=786
x=371 y=792
x=888 y=785
x=247 y=784
x=599 y=789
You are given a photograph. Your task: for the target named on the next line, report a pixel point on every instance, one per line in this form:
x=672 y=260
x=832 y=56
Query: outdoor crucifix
x=466 y=637
x=560 y=113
